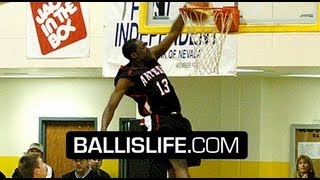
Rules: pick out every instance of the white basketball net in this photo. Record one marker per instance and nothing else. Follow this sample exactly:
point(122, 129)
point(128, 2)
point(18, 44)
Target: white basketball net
point(207, 44)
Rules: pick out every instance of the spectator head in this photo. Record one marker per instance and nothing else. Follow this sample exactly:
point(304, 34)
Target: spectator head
point(32, 166)
point(95, 164)
point(81, 166)
point(36, 148)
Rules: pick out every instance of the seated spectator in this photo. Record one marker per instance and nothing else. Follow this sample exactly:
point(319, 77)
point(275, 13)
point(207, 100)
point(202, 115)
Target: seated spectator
point(35, 148)
point(304, 167)
point(81, 170)
point(32, 166)
point(95, 165)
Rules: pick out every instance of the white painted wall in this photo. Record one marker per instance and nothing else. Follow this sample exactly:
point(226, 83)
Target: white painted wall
point(23, 101)
point(278, 49)
point(263, 107)
point(285, 102)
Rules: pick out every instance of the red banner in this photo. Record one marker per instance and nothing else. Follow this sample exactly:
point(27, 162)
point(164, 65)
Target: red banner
point(58, 24)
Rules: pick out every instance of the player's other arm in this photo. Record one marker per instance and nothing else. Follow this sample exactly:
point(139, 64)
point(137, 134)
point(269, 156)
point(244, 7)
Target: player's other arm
point(165, 44)
point(115, 98)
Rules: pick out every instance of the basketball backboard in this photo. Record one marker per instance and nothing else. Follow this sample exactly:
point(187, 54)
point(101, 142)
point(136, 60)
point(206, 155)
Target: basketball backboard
point(157, 17)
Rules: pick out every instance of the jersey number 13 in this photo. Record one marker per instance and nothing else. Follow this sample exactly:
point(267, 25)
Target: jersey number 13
point(163, 86)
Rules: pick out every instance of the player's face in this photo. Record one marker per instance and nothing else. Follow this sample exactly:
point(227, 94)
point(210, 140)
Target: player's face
point(143, 52)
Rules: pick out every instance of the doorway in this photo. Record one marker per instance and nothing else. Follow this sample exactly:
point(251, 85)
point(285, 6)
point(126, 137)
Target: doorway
point(305, 140)
point(53, 132)
point(139, 168)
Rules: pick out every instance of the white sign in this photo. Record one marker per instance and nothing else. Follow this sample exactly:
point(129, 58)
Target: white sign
point(311, 149)
point(122, 23)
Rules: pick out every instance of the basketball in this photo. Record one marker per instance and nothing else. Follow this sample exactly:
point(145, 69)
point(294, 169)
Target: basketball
point(198, 14)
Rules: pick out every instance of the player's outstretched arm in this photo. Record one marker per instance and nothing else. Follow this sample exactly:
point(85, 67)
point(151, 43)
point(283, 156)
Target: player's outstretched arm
point(165, 44)
point(115, 98)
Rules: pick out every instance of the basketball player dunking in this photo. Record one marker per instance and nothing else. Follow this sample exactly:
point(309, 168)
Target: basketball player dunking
point(144, 80)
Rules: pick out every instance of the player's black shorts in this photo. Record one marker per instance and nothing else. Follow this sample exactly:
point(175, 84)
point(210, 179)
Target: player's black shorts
point(173, 123)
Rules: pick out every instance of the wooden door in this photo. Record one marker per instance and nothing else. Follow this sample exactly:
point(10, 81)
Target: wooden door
point(55, 143)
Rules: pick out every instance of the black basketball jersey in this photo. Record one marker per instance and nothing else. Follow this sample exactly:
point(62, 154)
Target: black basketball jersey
point(152, 90)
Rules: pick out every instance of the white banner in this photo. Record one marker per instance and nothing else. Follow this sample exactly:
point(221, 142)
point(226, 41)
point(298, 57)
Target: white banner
point(122, 23)
point(57, 30)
